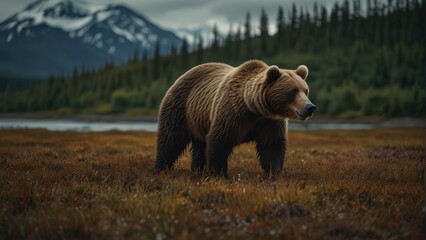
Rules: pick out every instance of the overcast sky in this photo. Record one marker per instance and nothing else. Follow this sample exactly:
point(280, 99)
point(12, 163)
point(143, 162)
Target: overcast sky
point(192, 14)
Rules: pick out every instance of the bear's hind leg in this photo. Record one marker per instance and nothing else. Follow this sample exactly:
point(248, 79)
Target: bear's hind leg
point(170, 145)
point(198, 156)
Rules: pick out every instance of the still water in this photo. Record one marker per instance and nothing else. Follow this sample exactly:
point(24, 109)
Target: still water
point(95, 126)
point(79, 126)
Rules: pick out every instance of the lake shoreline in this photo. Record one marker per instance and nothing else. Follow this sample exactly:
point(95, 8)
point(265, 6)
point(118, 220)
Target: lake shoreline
point(89, 123)
point(80, 118)
point(140, 118)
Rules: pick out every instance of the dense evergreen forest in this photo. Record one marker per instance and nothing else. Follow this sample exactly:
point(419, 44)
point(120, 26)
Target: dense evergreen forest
point(365, 59)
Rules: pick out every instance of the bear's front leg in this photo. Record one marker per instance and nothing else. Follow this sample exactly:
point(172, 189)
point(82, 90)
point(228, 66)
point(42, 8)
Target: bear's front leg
point(271, 146)
point(220, 142)
point(271, 156)
point(217, 157)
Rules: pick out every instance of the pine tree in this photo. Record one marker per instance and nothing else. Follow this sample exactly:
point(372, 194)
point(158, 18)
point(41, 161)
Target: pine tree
point(264, 33)
point(303, 32)
point(173, 51)
point(156, 61)
point(237, 36)
point(145, 64)
point(280, 29)
point(368, 8)
point(200, 50)
point(228, 43)
point(345, 27)
point(293, 26)
point(324, 17)
point(135, 56)
point(324, 28)
point(247, 35)
point(247, 27)
point(237, 41)
point(334, 25)
point(184, 53)
point(357, 31)
point(280, 22)
point(215, 41)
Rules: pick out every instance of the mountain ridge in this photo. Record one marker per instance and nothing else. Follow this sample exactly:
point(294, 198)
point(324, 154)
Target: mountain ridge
point(59, 35)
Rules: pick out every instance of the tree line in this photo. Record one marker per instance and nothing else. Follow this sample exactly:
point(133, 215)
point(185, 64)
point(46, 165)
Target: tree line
point(363, 60)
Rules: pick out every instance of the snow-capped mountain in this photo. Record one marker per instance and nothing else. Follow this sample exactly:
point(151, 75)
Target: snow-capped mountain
point(55, 36)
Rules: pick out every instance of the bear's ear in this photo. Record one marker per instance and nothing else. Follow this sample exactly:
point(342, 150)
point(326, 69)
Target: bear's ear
point(272, 74)
point(302, 71)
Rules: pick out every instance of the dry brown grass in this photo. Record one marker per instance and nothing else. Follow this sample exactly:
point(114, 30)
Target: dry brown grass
point(342, 184)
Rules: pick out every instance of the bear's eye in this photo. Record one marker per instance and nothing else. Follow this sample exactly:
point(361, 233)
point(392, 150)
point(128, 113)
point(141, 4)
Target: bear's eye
point(294, 90)
point(306, 93)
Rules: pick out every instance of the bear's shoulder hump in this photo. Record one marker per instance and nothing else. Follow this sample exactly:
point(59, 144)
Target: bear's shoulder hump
point(252, 66)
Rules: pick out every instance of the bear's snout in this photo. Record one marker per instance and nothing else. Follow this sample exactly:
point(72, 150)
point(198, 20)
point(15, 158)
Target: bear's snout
point(310, 109)
point(307, 112)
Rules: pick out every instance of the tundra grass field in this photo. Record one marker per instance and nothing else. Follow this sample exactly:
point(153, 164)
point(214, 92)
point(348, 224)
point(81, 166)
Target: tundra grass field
point(336, 184)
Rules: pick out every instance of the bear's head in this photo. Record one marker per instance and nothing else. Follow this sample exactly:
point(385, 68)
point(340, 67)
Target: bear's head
point(286, 93)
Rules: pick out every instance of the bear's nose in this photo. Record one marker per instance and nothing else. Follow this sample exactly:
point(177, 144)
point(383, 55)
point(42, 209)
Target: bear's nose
point(310, 108)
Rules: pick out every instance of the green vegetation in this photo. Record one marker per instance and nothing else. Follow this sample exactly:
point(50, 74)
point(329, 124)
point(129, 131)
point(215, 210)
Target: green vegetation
point(362, 63)
point(341, 184)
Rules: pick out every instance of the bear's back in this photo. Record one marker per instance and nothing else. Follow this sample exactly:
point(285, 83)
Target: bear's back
point(204, 80)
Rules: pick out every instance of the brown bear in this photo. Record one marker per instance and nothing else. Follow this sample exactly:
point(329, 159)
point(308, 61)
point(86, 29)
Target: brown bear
point(216, 107)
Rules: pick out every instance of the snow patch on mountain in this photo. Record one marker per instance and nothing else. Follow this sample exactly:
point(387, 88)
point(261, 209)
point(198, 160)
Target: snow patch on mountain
point(121, 32)
point(68, 24)
point(22, 26)
point(56, 8)
point(54, 13)
point(9, 37)
point(139, 22)
point(101, 16)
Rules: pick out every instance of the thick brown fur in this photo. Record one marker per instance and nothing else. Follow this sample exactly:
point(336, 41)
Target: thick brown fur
point(215, 107)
